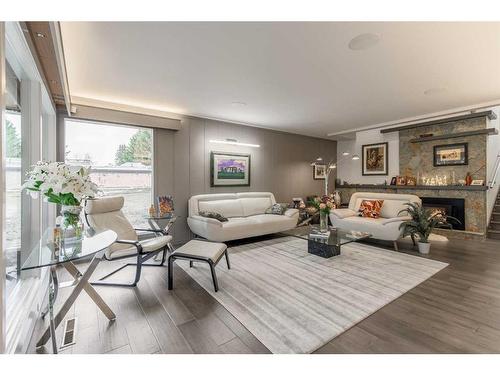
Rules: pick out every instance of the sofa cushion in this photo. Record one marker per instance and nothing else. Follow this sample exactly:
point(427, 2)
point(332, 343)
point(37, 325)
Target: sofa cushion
point(255, 205)
point(370, 208)
point(213, 215)
point(277, 209)
point(226, 207)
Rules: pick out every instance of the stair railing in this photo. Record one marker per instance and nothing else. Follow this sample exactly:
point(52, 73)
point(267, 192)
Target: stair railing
point(493, 180)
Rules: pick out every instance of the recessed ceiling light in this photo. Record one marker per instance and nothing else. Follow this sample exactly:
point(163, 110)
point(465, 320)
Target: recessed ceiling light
point(355, 157)
point(435, 91)
point(363, 41)
point(40, 35)
point(238, 104)
point(345, 153)
point(319, 159)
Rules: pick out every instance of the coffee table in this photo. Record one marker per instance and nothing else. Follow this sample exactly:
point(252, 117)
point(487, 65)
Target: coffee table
point(328, 245)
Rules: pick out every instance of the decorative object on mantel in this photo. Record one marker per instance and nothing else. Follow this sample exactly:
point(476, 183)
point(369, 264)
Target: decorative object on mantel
point(477, 182)
point(62, 185)
point(394, 180)
point(323, 205)
point(375, 159)
point(422, 223)
point(411, 181)
point(401, 180)
point(468, 179)
point(455, 154)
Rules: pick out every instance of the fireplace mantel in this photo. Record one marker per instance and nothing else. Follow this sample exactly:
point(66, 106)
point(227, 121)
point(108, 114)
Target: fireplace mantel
point(417, 187)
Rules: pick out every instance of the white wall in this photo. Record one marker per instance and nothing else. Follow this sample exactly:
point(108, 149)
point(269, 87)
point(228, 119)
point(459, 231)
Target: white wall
point(493, 149)
point(350, 170)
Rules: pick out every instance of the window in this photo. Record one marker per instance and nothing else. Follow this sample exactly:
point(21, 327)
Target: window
point(13, 195)
point(121, 161)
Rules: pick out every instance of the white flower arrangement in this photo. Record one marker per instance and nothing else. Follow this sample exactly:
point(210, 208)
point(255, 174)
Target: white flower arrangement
point(59, 184)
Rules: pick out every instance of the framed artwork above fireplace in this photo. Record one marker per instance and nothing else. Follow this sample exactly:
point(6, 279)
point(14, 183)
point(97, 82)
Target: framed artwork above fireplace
point(454, 154)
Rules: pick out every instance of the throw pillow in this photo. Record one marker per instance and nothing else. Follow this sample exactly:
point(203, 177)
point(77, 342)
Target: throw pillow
point(213, 215)
point(277, 209)
point(371, 208)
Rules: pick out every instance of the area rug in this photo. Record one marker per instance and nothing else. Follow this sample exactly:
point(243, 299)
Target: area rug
point(294, 302)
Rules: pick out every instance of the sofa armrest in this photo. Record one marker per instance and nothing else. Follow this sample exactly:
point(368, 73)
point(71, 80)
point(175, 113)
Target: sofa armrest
point(207, 220)
point(342, 213)
point(292, 212)
point(396, 219)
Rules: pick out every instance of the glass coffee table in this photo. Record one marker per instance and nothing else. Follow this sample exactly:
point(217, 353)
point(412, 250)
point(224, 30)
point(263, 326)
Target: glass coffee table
point(328, 244)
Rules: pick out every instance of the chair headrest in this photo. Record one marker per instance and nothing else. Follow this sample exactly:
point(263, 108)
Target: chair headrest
point(103, 205)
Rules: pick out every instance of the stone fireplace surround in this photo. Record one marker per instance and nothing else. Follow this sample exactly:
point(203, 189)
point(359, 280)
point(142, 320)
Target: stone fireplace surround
point(416, 159)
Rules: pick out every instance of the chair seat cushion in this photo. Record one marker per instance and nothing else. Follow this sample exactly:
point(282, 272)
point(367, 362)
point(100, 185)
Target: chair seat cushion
point(202, 249)
point(151, 244)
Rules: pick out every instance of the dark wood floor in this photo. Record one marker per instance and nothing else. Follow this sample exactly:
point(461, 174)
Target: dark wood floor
point(455, 311)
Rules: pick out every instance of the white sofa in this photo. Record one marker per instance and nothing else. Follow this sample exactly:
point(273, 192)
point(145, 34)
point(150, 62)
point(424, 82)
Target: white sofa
point(386, 227)
point(245, 213)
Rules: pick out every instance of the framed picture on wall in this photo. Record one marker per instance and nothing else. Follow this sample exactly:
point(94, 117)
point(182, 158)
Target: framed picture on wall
point(229, 169)
point(455, 154)
point(375, 159)
point(319, 171)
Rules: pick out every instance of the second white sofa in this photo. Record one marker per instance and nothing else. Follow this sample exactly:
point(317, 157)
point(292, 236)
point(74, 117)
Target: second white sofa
point(386, 227)
point(245, 213)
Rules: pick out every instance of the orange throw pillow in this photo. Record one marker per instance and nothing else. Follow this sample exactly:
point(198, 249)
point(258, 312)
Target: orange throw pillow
point(371, 208)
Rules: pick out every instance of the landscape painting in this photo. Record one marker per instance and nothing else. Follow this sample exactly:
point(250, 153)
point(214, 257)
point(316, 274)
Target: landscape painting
point(455, 154)
point(229, 169)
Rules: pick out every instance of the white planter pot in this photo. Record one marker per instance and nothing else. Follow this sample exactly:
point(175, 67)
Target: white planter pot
point(424, 247)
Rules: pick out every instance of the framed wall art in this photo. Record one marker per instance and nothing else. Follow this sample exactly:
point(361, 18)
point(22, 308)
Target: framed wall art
point(375, 159)
point(455, 154)
point(319, 171)
point(229, 169)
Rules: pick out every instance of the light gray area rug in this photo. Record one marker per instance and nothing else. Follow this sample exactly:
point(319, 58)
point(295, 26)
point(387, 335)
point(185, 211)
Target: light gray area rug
point(294, 302)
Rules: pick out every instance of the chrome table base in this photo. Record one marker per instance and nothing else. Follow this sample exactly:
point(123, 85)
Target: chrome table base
point(81, 282)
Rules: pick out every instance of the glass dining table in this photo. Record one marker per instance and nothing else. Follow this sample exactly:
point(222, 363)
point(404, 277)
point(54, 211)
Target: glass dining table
point(47, 254)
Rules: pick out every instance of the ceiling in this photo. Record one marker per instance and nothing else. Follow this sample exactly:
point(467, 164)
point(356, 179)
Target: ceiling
point(295, 77)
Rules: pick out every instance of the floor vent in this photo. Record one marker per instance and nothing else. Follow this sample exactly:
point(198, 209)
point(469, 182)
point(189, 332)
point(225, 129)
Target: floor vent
point(69, 333)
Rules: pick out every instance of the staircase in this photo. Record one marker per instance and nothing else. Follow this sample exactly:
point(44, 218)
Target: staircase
point(494, 228)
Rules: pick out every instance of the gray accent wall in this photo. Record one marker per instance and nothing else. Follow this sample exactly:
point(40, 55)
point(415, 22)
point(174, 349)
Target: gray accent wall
point(281, 165)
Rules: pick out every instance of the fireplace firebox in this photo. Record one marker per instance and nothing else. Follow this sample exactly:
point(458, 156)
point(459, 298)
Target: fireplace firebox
point(449, 206)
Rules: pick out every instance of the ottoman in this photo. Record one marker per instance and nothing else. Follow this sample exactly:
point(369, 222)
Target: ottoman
point(198, 251)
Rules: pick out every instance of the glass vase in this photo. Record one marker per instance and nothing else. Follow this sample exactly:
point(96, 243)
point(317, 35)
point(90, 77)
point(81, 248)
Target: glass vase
point(72, 224)
point(323, 222)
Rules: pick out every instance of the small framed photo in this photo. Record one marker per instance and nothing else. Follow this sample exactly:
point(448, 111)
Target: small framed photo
point(455, 154)
point(394, 180)
point(375, 159)
point(477, 182)
point(401, 180)
point(411, 181)
point(319, 171)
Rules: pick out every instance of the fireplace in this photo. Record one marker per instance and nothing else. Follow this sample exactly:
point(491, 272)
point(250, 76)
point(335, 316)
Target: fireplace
point(450, 206)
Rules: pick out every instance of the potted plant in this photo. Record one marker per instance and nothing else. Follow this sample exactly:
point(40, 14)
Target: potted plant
point(323, 205)
point(422, 223)
point(64, 186)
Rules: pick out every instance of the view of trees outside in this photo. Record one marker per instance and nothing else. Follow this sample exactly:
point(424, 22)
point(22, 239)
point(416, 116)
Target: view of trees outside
point(121, 161)
point(13, 189)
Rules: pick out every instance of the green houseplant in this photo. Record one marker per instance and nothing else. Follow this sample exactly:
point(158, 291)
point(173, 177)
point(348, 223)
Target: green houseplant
point(422, 223)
